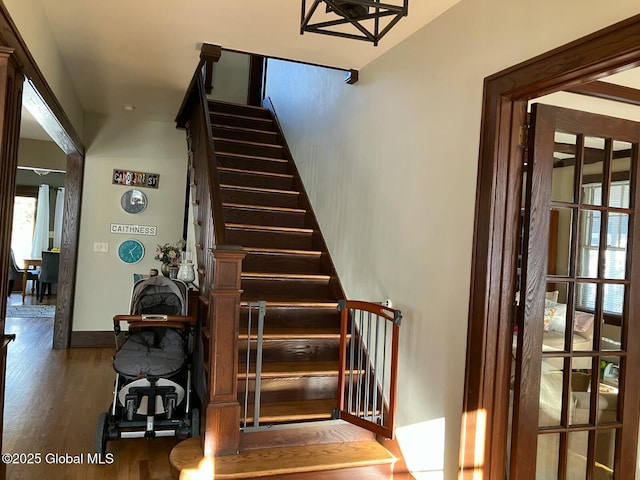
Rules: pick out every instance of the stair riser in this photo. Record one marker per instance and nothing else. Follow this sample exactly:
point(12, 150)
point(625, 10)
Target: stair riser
point(224, 146)
point(281, 263)
point(266, 199)
point(296, 241)
point(376, 472)
point(295, 317)
point(285, 289)
point(289, 350)
point(232, 121)
point(239, 109)
point(255, 164)
point(291, 389)
point(259, 217)
point(260, 181)
point(246, 135)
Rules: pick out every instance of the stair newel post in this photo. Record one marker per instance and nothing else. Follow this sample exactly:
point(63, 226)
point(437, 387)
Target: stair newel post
point(222, 416)
point(209, 54)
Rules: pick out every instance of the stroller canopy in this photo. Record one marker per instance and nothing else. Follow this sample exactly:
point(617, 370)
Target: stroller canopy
point(159, 295)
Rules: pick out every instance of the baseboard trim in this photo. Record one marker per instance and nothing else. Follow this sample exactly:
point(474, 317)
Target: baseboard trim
point(92, 338)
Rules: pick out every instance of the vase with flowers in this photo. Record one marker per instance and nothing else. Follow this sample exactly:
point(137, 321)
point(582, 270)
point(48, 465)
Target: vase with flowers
point(169, 255)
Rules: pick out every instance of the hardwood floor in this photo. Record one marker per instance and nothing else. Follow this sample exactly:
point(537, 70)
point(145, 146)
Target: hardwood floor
point(52, 402)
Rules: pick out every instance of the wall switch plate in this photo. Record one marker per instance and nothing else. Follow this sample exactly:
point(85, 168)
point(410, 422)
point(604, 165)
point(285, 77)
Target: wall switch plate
point(101, 247)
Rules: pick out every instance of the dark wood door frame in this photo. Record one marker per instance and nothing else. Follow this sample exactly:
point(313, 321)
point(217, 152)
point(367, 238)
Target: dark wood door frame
point(62, 132)
point(486, 400)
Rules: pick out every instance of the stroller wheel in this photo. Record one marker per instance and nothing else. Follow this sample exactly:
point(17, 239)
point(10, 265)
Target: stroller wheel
point(101, 434)
point(195, 422)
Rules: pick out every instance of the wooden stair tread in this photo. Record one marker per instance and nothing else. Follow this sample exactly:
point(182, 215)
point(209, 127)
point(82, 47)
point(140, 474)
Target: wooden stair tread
point(288, 302)
point(286, 276)
point(238, 115)
point(310, 458)
point(247, 142)
point(263, 208)
point(278, 369)
point(283, 460)
point(301, 332)
point(269, 228)
point(301, 303)
point(258, 189)
point(303, 433)
point(257, 108)
point(244, 129)
point(255, 172)
point(254, 157)
point(281, 251)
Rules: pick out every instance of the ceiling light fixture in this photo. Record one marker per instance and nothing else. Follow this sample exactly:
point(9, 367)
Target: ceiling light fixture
point(128, 107)
point(367, 20)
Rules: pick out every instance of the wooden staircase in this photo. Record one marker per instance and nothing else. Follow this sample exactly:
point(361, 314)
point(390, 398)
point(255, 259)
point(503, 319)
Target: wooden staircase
point(247, 192)
point(267, 212)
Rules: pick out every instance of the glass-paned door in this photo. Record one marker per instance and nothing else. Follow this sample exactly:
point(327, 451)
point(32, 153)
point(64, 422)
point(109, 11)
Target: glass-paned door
point(575, 391)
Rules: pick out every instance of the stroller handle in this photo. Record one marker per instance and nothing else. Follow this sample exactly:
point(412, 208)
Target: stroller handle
point(173, 321)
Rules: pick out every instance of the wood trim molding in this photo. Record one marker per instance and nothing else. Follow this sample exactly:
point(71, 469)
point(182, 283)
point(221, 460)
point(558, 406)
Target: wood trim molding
point(93, 339)
point(11, 82)
point(69, 251)
point(608, 91)
point(486, 405)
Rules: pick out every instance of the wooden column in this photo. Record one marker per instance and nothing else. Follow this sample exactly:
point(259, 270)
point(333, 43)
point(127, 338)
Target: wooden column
point(209, 54)
point(222, 415)
point(11, 80)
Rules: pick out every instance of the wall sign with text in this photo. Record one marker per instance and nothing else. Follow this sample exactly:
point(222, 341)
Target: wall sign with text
point(133, 229)
point(135, 179)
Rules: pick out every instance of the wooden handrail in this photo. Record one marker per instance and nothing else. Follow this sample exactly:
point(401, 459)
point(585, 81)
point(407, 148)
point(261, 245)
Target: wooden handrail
point(194, 113)
point(212, 167)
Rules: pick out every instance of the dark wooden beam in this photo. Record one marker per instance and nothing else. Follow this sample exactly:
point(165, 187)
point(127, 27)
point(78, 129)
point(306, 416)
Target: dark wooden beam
point(352, 77)
point(608, 91)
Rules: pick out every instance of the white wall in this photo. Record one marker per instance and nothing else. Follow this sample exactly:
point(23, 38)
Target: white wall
point(231, 77)
point(390, 165)
point(41, 154)
point(31, 20)
point(103, 286)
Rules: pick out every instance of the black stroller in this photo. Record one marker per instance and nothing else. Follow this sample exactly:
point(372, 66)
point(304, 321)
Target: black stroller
point(152, 361)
